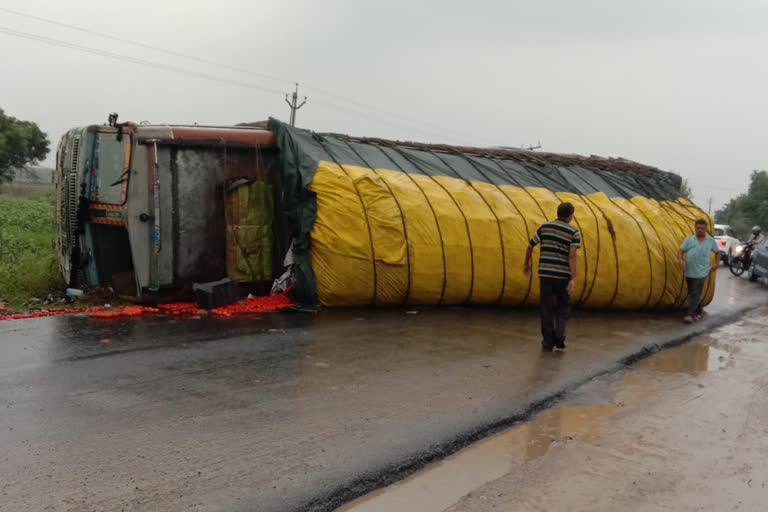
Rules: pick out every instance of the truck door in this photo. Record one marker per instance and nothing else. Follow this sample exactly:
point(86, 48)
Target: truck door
point(107, 232)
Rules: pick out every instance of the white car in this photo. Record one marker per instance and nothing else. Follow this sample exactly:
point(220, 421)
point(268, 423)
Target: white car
point(726, 241)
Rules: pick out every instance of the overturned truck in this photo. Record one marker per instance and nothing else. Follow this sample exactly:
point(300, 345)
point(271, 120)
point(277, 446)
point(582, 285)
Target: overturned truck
point(358, 221)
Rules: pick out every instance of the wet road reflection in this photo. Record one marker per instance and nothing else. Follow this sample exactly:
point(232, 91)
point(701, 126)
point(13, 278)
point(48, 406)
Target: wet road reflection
point(695, 357)
point(442, 484)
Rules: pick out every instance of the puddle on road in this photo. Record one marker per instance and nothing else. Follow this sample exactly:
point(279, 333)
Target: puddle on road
point(695, 357)
point(443, 483)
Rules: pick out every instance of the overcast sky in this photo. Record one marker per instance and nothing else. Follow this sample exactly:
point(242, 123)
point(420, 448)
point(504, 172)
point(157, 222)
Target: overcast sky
point(679, 84)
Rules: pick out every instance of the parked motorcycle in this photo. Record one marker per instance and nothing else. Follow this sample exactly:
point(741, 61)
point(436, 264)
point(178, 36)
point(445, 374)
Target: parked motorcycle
point(741, 260)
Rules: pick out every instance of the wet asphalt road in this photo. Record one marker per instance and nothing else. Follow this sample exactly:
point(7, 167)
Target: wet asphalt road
point(281, 412)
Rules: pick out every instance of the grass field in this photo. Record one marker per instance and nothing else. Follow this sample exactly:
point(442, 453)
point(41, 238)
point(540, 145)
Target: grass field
point(27, 190)
point(28, 265)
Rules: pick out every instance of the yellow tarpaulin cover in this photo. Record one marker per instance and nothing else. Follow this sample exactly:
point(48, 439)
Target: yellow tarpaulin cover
point(383, 236)
point(383, 222)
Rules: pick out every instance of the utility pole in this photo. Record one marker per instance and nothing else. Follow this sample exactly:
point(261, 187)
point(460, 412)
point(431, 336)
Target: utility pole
point(293, 104)
point(532, 148)
point(709, 207)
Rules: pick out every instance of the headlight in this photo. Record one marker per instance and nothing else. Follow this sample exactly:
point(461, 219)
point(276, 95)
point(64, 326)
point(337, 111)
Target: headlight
point(739, 249)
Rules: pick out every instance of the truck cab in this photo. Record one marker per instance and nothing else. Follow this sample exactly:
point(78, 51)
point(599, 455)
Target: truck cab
point(141, 208)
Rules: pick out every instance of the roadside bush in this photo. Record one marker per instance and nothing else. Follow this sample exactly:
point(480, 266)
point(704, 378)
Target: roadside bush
point(28, 265)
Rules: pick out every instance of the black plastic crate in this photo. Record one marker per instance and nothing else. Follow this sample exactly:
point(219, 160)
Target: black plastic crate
point(216, 293)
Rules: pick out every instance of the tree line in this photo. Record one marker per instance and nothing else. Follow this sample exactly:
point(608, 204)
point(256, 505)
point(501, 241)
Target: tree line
point(745, 210)
point(22, 144)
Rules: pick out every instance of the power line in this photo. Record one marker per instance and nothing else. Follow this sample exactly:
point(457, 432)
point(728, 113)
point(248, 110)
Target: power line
point(188, 72)
point(336, 106)
point(134, 60)
point(377, 110)
point(173, 53)
point(142, 45)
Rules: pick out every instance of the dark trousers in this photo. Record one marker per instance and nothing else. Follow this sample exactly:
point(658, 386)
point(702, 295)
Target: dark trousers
point(695, 289)
point(555, 308)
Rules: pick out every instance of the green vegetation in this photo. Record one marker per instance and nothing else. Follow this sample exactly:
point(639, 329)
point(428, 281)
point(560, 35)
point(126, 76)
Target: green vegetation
point(24, 190)
point(28, 265)
point(22, 143)
point(746, 210)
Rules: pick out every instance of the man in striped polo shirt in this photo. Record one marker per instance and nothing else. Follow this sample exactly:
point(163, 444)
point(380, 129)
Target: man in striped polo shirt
point(557, 270)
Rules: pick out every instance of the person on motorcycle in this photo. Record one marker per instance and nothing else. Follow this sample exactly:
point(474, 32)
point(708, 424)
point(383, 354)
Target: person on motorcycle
point(757, 236)
point(742, 261)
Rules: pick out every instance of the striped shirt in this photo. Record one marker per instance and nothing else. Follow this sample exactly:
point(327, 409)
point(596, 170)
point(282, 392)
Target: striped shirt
point(556, 238)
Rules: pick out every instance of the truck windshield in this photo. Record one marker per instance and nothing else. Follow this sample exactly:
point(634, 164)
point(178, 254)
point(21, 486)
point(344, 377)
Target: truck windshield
point(719, 232)
point(110, 162)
